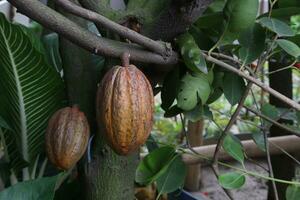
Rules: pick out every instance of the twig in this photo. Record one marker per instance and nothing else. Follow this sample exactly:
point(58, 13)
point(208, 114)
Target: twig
point(266, 88)
point(231, 122)
point(85, 39)
point(160, 48)
point(285, 152)
point(266, 143)
point(227, 192)
point(272, 121)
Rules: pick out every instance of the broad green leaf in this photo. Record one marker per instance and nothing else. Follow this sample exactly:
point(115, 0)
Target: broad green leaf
point(31, 91)
point(288, 3)
point(34, 33)
point(173, 178)
point(170, 87)
point(51, 45)
point(232, 180)
point(173, 111)
point(289, 47)
point(216, 6)
point(191, 53)
point(292, 192)
point(233, 147)
point(192, 89)
point(270, 111)
point(39, 189)
point(3, 124)
point(238, 16)
point(277, 26)
point(211, 20)
point(233, 87)
point(253, 43)
point(259, 140)
point(154, 165)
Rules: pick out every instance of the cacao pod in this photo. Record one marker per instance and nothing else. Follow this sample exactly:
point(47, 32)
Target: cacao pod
point(67, 137)
point(125, 108)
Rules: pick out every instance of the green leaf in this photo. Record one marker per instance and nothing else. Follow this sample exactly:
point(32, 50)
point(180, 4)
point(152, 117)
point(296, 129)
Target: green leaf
point(51, 45)
point(154, 165)
point(253, 43)
point(173, 178)
point(31, 91)
point(238, 15)
point(288, 3)
point(270, 111)
point(233, 87)
point(191, 90)
point(211, 20)
point(39, 189)
point(170, 88)
point(232, 180)
point(233, 147)
point(3, 124)
point(292, 192)
point(172, 111)
point(289, 47)
point(277, 26)
point(34, 37)
point(283, 14)
point(191, 53)
point(259, 140)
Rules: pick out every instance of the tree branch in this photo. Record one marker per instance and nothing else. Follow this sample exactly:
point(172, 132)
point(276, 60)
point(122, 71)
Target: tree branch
point(158, 47)
point(266, 88)
point(85, 39)
point(175, 19)
point(272, 121)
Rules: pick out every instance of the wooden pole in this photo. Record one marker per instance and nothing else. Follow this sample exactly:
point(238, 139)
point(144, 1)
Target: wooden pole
point(195, 137)
point(290, 144)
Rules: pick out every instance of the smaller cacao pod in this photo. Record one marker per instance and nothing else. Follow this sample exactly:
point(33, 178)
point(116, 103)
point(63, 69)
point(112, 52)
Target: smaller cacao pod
point(125, 106)
point(67, 137)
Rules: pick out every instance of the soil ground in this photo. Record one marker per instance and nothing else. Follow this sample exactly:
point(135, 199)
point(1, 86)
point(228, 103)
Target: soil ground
point(254, 188)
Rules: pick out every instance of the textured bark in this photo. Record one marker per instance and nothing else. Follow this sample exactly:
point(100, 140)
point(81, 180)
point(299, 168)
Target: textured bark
point(281, 82)
point(106, 176)
point(175, 19)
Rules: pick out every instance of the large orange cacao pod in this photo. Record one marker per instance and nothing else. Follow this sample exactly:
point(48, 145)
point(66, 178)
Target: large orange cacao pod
point(67, 137)
point(125, 108)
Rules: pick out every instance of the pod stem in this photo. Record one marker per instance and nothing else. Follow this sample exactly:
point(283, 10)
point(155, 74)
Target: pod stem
point(125, 59)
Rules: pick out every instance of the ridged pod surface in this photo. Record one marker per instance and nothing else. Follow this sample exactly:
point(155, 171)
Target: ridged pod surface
point(125, 108)
point(67, 137)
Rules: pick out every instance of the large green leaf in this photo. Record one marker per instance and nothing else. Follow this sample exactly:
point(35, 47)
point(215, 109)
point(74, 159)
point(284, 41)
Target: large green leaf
point(233, 87)
point(288, 3)
point(154, 165)
point(292, 192)
point(289, 47)
point(192, 90)
point(238, 16)
point(232, 180)
point(234, 147)
point(170, 87)
point(31, 91)
point(191, 53)
point(39, 189)
point(270, 111)
point(277, 26)
point(253, 43)
point(173, 178)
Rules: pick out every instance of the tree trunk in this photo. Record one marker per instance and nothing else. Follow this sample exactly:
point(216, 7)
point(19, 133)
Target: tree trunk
point(282, 165)
point(105, 176)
